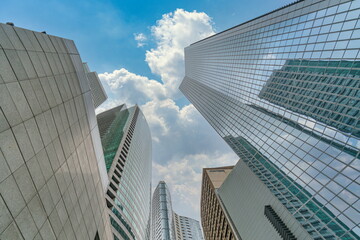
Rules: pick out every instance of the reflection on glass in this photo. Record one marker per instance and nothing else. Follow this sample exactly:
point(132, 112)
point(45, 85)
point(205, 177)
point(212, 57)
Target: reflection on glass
point(299, 202)
point(326, 91)
point(288, 85)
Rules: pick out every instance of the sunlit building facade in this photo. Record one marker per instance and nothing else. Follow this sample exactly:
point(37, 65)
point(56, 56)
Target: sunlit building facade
point(126, 142)
point(52, 170)
point(283, 92)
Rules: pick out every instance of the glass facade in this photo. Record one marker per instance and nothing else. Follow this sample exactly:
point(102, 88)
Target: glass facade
point(162, 214)
point(284, 91)
point(126, 142)
point(111, 128)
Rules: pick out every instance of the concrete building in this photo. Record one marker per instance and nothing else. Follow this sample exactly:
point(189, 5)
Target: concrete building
point(187, 228)
point(281, 90)
point(97, 90)
point(126, 142)
point(162, 222)
point(52, 171)
point(214, 219)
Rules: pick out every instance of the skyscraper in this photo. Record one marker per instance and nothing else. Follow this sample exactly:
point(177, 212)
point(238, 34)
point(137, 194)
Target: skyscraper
point(282, 91)
point(187, 228)
point(215, 221)
point(126, 142)
point(165, 223)
point(52, 178)
point(162, 222)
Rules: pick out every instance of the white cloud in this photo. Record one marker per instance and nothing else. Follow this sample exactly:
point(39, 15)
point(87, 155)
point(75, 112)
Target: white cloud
point(172, 34)
point(132, 88)
point(184, 176)
point(141, 39)
point(183, 142)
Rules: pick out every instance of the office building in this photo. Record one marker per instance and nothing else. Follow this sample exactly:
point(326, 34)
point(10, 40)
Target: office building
point(215, 221)
point(282, 91)
point(162, 222)
point(187, 228)
point(126, 142)
point(52, 174)
point(168, 225)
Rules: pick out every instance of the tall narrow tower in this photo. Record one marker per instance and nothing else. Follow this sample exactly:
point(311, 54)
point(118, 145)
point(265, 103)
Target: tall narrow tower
point(162, 227)
point(166, 224)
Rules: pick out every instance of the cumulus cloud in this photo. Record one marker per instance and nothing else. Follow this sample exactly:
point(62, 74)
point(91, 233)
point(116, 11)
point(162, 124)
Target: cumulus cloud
point(183, 142)
point(141, 39)
point(135, 87)
point(172, 33)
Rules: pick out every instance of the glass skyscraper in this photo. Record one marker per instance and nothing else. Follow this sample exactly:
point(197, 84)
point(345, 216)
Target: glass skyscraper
point(126, 142)
point(283, 90)
point(162, 222)
point(165, 223)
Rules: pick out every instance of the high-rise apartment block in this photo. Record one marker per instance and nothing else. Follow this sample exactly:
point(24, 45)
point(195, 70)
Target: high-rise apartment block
point(126, 142)
point(214, 219)
point(283, 91)
point(187, 228)
point(52, 173)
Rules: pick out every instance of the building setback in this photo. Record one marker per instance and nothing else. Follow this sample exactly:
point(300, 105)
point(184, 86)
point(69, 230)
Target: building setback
point(97, 90)
point(282, 91)
point(214, 220)
point(126, 142)
point(187, 228)
point(52, 178)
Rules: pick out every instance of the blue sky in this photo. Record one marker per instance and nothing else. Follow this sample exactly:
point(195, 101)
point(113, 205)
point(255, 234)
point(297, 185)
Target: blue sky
point(105, 32)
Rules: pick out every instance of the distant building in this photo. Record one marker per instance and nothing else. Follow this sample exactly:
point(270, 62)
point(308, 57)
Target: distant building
point(187, 228)
point(165, 223)
point(214, 219)
point(283, 91)
point(126, 142)
point(162, 214)
point(52, 170)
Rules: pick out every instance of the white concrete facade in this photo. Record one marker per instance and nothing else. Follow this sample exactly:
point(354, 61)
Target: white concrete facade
point(50, 183)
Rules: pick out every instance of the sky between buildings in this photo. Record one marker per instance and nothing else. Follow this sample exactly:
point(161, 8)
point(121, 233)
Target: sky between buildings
point(137, 49)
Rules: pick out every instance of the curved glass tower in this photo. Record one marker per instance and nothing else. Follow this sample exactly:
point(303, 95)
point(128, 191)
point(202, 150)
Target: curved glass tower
point(162, 214)
point(283, 91)
point(126, 142)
